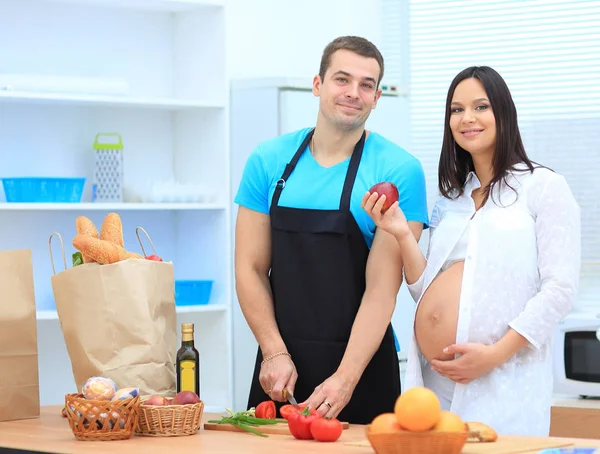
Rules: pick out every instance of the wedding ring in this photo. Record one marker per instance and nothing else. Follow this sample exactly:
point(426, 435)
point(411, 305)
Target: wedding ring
point(328, 404)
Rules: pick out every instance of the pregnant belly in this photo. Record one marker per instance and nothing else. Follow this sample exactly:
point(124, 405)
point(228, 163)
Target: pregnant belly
point(437, 314)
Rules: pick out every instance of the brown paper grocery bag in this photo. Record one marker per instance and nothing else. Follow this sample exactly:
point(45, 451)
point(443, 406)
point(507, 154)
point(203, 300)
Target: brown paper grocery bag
point(19, 378)
point(119, 321)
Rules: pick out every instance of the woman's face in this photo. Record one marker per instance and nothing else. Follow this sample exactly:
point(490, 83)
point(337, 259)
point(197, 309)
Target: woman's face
point(472, 120)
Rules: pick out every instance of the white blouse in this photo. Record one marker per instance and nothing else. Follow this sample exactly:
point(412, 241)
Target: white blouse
point(459, 252)
point(521, 271)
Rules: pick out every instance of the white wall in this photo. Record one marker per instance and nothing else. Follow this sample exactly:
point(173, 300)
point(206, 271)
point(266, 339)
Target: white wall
point(267, 38)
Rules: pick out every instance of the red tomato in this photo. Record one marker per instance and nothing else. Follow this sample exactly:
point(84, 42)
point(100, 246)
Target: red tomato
point(288, 409)
point(266, 410)
point(326, 429)
point(300, 422)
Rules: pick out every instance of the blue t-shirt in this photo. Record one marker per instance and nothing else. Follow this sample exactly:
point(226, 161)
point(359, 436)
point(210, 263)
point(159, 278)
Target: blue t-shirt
point(313, 186)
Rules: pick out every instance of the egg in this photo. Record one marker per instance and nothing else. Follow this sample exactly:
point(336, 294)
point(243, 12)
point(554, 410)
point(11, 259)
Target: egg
point(126, 393)
point(99, 388)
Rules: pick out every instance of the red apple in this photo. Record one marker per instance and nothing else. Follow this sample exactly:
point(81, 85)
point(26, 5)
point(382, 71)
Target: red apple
point(185, 397)
point(154, 257)
point(157, 400)
point(389, 190)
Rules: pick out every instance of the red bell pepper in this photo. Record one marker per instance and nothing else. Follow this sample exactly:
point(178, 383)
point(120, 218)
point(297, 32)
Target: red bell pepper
point(299, 423)
point(287, 409)
point(266, 410)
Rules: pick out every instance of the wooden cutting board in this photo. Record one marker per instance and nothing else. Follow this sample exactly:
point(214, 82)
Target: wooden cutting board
point(276, 429)
point(504, 445)
point(514, 444)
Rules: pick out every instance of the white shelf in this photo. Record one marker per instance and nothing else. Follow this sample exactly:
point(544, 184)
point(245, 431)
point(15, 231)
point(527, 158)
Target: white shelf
point(104, 100)
point(150, 5)
point(110, 207)
point(172, 114)
point(46, 315)
point(53, 315)
point(203, 308)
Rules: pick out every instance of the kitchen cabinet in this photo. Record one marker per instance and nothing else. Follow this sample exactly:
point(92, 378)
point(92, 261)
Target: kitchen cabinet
point(154, 72)
point(575, 417)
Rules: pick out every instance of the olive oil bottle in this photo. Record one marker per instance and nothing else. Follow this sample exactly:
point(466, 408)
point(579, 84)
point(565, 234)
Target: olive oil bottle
point(188, 361)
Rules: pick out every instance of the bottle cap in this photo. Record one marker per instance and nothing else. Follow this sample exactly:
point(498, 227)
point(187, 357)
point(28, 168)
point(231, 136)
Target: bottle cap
point(187, 327)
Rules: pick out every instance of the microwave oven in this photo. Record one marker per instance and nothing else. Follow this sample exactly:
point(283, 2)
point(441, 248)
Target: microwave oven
point(576, 355)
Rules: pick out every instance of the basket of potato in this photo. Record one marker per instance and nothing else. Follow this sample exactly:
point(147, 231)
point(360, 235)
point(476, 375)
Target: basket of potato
point(164, 417)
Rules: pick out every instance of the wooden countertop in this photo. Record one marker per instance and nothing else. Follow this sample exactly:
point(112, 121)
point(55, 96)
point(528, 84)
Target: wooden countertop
point(575, 402)
point(51, 433)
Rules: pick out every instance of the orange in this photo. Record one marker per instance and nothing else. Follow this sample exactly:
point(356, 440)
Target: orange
point(417, 409)
point(385, 423)
point(449, 422)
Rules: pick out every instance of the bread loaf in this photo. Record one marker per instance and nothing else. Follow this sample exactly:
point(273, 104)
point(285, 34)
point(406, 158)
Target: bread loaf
point(130, 255)
point(86, 227)
point(479, 431)
point(112, 229)
point(102, 251)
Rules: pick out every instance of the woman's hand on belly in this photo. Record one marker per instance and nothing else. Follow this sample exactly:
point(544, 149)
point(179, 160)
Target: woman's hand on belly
point(475, 360)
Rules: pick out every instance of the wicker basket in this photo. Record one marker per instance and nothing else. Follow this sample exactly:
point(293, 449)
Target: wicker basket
point(417, 442)
point(101, 420)
point(169, 420)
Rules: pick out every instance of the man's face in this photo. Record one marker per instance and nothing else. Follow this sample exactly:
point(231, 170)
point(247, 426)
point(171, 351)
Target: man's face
point(348, 92)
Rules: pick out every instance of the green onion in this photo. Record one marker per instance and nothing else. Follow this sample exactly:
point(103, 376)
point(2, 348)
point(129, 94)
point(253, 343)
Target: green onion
point(246, 420)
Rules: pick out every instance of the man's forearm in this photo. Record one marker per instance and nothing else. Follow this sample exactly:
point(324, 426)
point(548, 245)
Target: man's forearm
point(368, 330)
point(256, 302)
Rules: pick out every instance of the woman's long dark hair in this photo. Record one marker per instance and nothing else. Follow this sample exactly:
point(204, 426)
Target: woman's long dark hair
point(456, 163)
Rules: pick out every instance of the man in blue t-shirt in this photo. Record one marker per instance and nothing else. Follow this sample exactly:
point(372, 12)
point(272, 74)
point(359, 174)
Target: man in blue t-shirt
point(316, 282)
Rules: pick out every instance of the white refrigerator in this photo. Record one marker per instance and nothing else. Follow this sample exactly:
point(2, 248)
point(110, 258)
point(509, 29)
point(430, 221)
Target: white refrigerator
point(265, 108)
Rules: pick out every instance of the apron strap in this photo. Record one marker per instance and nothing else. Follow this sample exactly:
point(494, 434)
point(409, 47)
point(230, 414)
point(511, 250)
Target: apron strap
point(290, 167)
point(351, 174)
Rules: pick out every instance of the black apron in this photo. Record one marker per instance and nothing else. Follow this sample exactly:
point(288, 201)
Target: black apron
point(317, 277)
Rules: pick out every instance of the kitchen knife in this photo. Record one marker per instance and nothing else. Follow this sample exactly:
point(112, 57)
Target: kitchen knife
point(290, 398)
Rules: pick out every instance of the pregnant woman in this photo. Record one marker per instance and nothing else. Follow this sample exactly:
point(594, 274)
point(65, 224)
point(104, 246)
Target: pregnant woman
point(501, 270)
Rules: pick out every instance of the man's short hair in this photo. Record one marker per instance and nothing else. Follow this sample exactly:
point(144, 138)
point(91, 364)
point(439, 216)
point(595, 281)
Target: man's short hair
point(356, 44)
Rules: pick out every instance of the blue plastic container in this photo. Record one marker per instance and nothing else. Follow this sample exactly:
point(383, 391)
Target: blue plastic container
point(192, 293)
point(42, 189)
point(569, 451)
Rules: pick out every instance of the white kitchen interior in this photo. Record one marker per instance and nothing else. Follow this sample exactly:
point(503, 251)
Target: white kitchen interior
point(169, 76)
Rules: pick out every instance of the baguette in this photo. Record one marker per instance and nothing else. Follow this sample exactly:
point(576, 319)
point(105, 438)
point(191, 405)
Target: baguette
point(112, 229)
point(102, 251)
point(87, 228)
point(481, 432)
